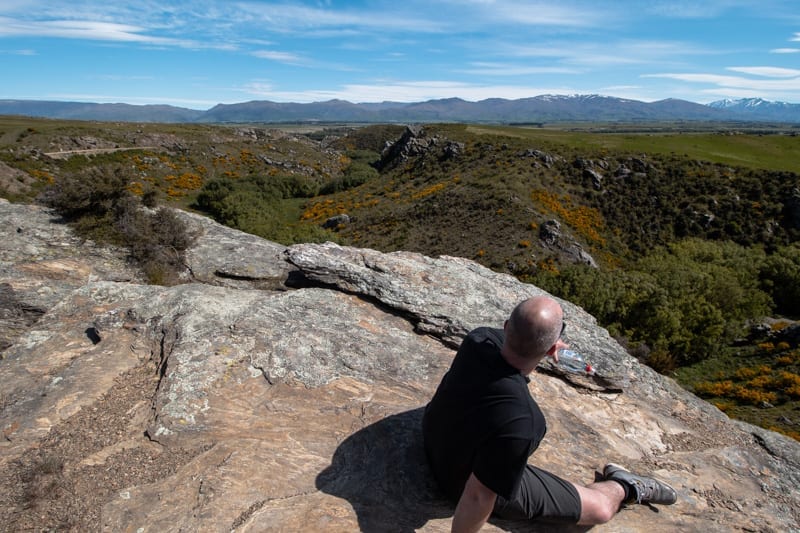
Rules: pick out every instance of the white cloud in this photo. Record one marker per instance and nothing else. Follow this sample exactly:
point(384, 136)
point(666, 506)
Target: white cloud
point(785, 51)
point(21, 52)
point(734, 81)
point(707, 9)
point(258, 87)
point(609, 53)
point(540, 13)
point(282, 57)
point(10, 27)
point(119, 77)
point(614, 88)
point(290, 18)
point(509, 69)
point(768, 72)
point(738, 86)
point(687, 9)
point(89, 30)
point(577, 54)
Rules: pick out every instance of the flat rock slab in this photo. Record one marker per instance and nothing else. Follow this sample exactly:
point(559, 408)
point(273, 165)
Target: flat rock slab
point(283, 390)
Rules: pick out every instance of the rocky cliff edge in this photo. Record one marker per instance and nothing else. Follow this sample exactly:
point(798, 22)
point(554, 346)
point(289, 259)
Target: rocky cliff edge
point(281, 389)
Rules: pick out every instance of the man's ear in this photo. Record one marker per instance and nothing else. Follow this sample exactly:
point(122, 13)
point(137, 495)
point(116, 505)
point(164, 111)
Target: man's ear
point(553, 349)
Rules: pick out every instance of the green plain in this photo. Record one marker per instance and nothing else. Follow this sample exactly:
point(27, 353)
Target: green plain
point(770, 151)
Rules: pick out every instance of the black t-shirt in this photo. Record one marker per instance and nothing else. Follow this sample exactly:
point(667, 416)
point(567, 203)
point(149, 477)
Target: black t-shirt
point(482, 419)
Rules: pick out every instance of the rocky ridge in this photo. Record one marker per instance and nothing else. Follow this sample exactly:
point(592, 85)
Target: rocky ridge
point(281, 389)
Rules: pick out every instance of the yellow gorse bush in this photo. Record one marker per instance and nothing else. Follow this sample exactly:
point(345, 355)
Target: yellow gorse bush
point(586, 221)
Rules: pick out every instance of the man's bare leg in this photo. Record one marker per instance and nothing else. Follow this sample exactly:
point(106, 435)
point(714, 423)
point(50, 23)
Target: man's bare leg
point(600, 502)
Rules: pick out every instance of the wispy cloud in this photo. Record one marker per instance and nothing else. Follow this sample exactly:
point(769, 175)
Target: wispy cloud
point(595, 54)
point(687, 9)
point(692, 9)
point(768, 72)
point(511, 69)
point(156, 23)
point(299, 60)
point(289, 18)
point(211, 25)
point(738, 86)
point(281, 57)
point(88, 30)
point(21, 52)
point(622, 88)
point(732, 81)
point(120, 77)
point(538, 14)
point(10, 27)
point(424, 17)
point(785, 51)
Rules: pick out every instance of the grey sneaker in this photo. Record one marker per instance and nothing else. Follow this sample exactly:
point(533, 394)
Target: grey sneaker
point(647, 489)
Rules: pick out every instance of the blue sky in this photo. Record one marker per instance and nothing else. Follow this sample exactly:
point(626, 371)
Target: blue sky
point(199, 53)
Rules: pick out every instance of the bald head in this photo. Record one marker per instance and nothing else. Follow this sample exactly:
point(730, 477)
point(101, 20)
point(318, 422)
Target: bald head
point(534, 327)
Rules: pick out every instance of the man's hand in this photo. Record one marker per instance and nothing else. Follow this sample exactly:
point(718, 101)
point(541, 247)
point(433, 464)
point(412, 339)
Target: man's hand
point(559, 345)
point(474, 506)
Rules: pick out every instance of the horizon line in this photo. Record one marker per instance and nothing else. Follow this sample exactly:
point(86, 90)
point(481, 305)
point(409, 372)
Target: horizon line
point(396, 102)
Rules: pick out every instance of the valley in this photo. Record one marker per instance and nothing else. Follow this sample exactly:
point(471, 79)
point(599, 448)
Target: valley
point(684, 245)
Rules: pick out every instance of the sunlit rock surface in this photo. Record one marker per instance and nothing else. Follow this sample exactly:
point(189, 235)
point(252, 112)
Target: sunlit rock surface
point(281, 390)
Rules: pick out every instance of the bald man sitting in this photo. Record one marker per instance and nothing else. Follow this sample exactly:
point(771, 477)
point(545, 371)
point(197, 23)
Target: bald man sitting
point(482, 425)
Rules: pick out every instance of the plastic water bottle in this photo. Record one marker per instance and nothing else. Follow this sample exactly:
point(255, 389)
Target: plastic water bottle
point(574, 362)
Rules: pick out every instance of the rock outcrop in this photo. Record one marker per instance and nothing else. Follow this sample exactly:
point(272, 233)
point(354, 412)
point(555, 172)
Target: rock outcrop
point(281, 390)
point(413, 142)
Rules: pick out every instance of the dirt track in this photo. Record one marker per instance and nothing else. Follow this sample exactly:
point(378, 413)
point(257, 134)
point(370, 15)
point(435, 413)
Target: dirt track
point(64, 154)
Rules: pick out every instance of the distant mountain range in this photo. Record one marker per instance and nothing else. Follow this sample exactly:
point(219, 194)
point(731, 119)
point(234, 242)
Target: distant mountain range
point(539, 109)
point(764, 110)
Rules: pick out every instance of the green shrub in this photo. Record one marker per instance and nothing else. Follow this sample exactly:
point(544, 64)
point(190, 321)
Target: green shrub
point(780, 277)
point(686, 301)
point(150, 197)
point(213, 199)
point(93, 193)
point(263, 206)
point(99, 206)
point(157, 241)
point(358, 172)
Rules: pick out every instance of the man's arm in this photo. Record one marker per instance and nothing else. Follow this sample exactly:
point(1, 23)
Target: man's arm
point(474, 506)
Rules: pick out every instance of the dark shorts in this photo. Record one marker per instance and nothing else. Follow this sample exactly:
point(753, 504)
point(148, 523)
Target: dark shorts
point(541, 496)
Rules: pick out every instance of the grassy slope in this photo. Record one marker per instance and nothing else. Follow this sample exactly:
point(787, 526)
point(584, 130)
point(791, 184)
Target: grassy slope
point(476, 205)
point(174, 159)
point(491, 201)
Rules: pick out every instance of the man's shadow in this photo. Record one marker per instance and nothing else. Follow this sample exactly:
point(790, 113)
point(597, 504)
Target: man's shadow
point(382, 471)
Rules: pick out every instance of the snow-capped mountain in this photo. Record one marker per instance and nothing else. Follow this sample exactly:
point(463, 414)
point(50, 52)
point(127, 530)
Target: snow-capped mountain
point(760, 109)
